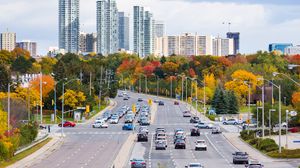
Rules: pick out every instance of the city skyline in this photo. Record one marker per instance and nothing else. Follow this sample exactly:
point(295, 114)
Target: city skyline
point(272, 21)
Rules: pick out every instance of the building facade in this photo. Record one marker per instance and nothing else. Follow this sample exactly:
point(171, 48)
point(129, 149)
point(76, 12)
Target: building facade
point(159, 29)
point(91, 43)
point(69, 25)
point(236, 40)
point(292, 50)
point(107, 27)
point(123, 31)
point(143, 25)
point(29, 46)
point(192, 44)
point(7, 41)
point(279, 47)
point(82, 42)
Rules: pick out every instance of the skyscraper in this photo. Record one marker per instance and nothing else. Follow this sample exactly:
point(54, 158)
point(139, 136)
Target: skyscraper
point(236, 40)
point(123, 31)
point(107, 27)
point(87, 43)
point(69, 25)
point(279, 47)
point(29, 46)
point(7, 41)
point(159, 29)
point(143, 39)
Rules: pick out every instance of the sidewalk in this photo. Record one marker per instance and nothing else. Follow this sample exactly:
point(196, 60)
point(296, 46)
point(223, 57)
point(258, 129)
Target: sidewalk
point(291, 138)
point(43, 152)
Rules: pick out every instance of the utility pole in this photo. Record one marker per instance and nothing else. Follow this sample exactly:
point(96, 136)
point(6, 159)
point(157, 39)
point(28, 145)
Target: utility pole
point(263, 111)
point(41, 97)
point(140, 84)
point(90, 83)
point(100, 87)
point(186, 86)
point(8, 107)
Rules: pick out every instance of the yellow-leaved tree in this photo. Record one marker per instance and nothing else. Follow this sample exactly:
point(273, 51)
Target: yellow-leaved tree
point(239, 84)
point(73, 99)
point(3, 121)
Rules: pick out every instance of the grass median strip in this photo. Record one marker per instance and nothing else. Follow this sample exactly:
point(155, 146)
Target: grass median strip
point(24, 154)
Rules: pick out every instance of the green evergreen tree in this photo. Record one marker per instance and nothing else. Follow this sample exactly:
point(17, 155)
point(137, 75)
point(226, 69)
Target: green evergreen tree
point(163, 59)
point(233, 106)
point(215, 98)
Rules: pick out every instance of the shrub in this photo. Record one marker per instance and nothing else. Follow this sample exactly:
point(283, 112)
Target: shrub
point(254, 141)
point(245, 136)
point(212, 117)
point(4, 151)
point(285, 153)
point(267, 145)
point(28, 133)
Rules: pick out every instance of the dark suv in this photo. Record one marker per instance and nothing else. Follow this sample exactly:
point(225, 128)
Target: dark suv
point(195, 131)
point(180, 143)
point(142, 137)
point(194, 120)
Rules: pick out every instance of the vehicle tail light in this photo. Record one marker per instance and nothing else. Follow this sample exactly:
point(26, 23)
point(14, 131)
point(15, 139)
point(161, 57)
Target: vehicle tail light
point(133, 163)
point(144, 163)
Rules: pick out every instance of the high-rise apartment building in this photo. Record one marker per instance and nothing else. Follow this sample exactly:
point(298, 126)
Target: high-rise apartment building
point(7, 41)
point(29, 46)
point(123, 31)
point(143, 39)
point(236, 40)
point(292, 50)
point(186, 45)
point(223, 47)
point(87, 43)
point(69, 25)
point(159, 29)
point(107, 27)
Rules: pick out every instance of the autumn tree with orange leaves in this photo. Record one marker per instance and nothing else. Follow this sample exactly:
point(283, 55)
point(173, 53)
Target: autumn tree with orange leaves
point(48, 84)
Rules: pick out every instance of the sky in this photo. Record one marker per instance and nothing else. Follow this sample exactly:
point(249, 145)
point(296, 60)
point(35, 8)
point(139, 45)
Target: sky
point(260, 22)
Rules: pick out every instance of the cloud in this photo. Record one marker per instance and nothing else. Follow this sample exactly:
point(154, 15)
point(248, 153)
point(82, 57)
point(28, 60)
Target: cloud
point(259, 21)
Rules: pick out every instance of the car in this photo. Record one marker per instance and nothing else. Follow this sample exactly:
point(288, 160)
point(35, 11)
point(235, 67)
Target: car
point(67, 124)
point(195, 131)
point(161, 103)
point(99, 119)
point(200, 145)
point(140, 99)
point(100, 124)
point(254, 164)
point(128, 118)
point(128, 126)
point(216, 130)
point(144, 129)
point(187, 114)
point(176, 103)
point(126, 98)
point(160, 129)
point(180, 143)
point(203, 125)
point(114, 119)
point(194, 165)
point(194, 120)
point(231, 121)
point(240, 157)
point(161, 145)
point(144, 121)
point(142, 137)
point(138, 163)
point(156, 100)
point(120, 95)
point(161, 139)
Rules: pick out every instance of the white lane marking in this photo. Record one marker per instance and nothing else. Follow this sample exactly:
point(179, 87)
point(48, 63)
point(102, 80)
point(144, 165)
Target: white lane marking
point(217, 150)
point(150, 150)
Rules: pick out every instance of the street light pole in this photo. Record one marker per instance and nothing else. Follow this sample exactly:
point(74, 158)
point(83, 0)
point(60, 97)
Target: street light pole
point(186, 86)
point(286, 129)
point(279, 90)
point(263, 111)
point(8, 107)
point(41, 97)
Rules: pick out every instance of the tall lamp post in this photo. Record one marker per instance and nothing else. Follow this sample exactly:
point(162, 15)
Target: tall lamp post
point(8, 106)
point(63, 104)
point(279, 107)
point(182, 77)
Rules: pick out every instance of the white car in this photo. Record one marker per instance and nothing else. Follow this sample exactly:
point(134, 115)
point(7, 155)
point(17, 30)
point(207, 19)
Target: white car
point(204, 125)
point(100, 125)
point(114, 119)
point(194, 165)
point(200, 145)
point(231, 121)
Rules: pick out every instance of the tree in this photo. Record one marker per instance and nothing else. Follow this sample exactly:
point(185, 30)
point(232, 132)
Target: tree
point(47, 85)
point(163, 59)
point(170, 68)
point(6, 57)
point(73, 99)
point(233, 105)
point(28, 94)
point(47, 64)
point(22, 64)
point(4, 77)
point(19, 52)
point(296, 100)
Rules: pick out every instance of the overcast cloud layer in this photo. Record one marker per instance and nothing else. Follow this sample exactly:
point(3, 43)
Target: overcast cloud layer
point(260, 21)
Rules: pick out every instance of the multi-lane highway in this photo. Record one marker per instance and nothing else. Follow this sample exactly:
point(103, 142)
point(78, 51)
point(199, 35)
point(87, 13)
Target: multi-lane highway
point(85, 146)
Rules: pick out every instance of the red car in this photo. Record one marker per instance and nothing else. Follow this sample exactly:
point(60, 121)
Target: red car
point(68, 124)
point(176, 103)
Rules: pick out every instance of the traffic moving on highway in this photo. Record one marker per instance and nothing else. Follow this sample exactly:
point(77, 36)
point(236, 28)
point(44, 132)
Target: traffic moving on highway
point(142, 131)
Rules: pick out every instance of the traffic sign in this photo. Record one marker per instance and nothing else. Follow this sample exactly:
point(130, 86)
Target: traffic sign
point(296, 141)
point(133, 108)
point(293, 113)
point(150, 101)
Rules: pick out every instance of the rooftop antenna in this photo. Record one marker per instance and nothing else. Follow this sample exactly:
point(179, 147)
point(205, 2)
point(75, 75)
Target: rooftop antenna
point(229, 25)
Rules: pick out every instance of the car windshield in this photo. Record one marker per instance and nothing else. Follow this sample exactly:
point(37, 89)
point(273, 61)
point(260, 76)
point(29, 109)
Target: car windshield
point(240, 153)
point(195, 165)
